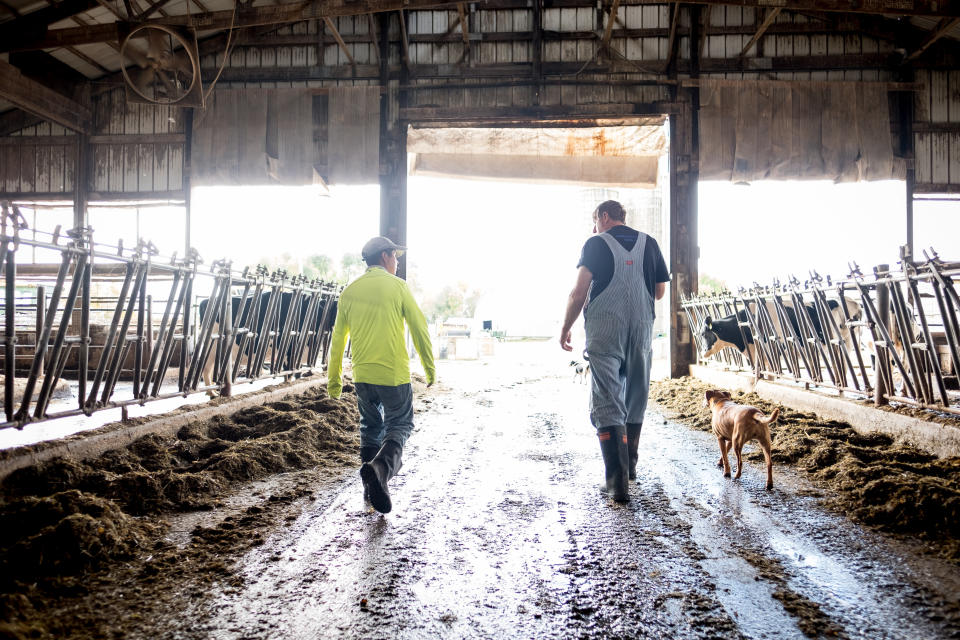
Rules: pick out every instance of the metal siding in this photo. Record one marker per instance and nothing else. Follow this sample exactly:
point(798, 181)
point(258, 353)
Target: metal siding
point(954, 158)
point(100, 157)
point(28, 168)
point(11, 168)
point(145, 167)
point(953, 100)
point(42, 173)
point(115, 167)
point(921, 98)
point(939, 97)
point(940, 171)
point(130, 158)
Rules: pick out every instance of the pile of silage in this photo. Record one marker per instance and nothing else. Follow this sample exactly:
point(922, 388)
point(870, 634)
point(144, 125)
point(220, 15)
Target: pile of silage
point(62, 517)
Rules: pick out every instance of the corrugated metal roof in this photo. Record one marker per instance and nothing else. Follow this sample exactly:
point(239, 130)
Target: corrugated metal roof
point(930, 24)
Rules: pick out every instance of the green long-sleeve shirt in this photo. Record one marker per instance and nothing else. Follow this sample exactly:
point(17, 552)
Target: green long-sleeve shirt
point(371, 311)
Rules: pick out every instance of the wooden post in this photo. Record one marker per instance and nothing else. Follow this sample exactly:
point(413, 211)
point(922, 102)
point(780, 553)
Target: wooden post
point(684, 175)
point(393, 150)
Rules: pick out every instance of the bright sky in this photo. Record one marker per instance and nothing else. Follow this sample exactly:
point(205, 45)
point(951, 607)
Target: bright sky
point(517, 243)
point(249, 223)
point(755, 232)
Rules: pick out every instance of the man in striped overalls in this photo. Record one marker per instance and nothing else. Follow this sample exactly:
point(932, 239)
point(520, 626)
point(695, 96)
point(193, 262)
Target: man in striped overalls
point(623, 272)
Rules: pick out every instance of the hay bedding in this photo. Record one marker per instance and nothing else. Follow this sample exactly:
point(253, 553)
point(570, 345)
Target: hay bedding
point(64, 517)
point(870, 477)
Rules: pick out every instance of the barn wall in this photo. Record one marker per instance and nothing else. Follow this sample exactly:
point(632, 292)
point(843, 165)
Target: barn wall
point(135, 151)
point(936, 131)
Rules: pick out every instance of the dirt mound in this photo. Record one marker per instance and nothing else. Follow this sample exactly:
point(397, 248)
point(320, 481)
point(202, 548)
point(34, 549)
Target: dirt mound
point(872, 478)
point(64, 516)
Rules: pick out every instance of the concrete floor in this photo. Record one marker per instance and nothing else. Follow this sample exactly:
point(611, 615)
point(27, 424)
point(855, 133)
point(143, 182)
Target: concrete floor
point(499, 531)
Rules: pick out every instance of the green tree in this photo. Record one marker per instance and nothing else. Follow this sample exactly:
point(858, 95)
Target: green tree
point(320, 266)
point(457, 300)
point(352, 266)
point(710, 284)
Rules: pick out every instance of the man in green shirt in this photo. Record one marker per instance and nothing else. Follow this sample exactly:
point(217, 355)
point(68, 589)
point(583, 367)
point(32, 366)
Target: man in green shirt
point(371, 311)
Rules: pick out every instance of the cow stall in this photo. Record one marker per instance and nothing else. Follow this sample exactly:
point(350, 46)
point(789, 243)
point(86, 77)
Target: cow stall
point(891, 335)
point(128, 326)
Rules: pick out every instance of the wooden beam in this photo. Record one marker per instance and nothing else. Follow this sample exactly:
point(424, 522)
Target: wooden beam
point(672, 40)
point(405, 43)
point(146, 13)
point(374, 41)
point(215, 20)
point(608, 29)
point(771, 16)
point(704, 25)
point(35, 23)
point(551, 70)
point(941, 8)
point(17, 120)
point(336, 36)
point(943, 27)
point(464, 32)
point(38, 99)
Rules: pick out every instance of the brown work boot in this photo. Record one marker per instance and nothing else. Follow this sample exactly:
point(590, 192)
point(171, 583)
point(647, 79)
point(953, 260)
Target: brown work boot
point(378, 472)
point(633, 446)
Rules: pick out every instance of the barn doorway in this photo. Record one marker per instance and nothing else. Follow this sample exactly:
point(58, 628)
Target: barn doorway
point(497, 218)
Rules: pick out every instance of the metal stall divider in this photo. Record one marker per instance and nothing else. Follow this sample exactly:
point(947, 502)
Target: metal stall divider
point(801, 333)
point(296, 322)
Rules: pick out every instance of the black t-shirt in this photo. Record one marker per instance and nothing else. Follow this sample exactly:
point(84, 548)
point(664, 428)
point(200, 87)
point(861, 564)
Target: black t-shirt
point(597, 257)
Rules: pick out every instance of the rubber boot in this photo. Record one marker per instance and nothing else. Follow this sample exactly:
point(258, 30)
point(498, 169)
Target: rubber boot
point(367, 454)
point(613, 446)
point(377, 473)
point(633, 446)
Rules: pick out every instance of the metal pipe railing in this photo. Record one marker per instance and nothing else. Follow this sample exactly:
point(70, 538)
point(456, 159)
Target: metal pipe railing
point(285, 336)
point(858, 335)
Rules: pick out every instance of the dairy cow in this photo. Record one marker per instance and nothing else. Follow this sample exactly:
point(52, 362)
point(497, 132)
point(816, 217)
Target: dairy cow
point(322, 322)
point(723, 332)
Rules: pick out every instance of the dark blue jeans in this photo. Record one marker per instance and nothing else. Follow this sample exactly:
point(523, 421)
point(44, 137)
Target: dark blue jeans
point(386, 413)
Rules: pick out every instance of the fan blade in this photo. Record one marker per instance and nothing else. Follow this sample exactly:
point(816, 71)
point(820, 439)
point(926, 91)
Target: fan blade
point(160, 48)
point(137, 56)
point(182, 62)
point(145, 79)
point(172, 91)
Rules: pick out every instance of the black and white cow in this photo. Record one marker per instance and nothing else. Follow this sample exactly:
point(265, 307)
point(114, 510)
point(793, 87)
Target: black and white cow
point(322, 322)
point(723, 332)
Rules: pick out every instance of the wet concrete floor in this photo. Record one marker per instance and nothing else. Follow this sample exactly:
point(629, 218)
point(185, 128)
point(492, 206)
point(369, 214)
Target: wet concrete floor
point(499, 531)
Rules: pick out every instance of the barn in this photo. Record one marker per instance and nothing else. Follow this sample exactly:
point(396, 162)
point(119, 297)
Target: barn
point(185, 189)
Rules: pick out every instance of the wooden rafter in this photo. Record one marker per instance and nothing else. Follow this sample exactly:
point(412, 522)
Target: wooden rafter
point(608, 29)
point(38, 21)
point(767, 21)
point(372, 26)
point(404, 41)
point(941, 8)
point(336, 36)
point(244, 17)
point(149, 11)
point(451, 29)
point(672, 40)
point(464, 31)
point(704, 24)
point(943, 27)
point(42, 101)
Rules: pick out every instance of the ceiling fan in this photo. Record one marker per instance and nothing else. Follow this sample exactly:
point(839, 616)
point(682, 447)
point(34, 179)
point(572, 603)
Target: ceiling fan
point(168, 72)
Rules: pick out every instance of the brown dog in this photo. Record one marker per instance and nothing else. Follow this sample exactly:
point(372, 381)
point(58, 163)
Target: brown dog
point(737, 424)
